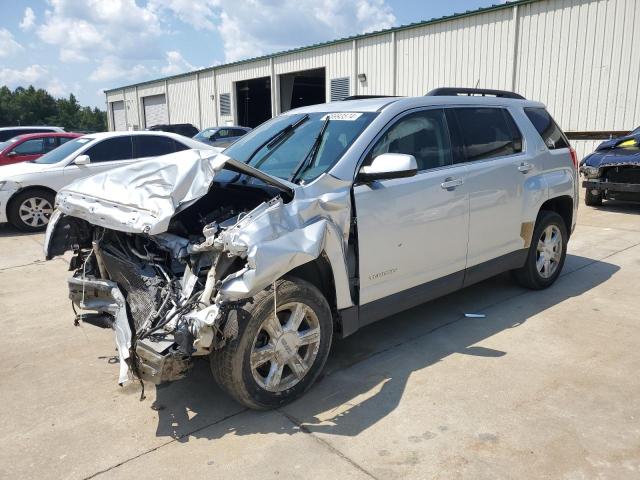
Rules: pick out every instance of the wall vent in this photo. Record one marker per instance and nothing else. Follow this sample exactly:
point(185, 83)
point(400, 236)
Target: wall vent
point(339, 89)
point(225, 104)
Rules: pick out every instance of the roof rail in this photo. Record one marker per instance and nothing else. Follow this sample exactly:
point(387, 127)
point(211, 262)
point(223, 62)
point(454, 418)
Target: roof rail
point(453, 92)
point(363, 97)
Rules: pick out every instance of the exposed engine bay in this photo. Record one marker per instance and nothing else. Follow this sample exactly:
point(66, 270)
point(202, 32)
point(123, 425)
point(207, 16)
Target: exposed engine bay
point(169, 293)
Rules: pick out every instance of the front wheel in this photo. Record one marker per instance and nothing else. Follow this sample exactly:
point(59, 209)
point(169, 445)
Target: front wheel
point(547, 252)
point(30, 210)
point(276, 358)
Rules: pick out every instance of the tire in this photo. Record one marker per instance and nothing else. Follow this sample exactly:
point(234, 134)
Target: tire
point(530, 275)
point(592, 200)
point(246, 368)
point(30, 210)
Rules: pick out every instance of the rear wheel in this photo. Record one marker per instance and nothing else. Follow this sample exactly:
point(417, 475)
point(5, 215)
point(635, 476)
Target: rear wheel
point(276, 358)
point(30, 210)
point(547, 252)
point(592, 200)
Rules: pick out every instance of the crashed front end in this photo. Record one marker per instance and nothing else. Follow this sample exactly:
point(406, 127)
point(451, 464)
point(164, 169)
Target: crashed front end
point(612, 172)
point(169, 262)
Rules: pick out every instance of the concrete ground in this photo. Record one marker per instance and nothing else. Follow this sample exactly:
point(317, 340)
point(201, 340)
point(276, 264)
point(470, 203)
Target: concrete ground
point(546, 386)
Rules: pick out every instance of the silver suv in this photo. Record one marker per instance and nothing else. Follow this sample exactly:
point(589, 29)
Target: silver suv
point(313, 225)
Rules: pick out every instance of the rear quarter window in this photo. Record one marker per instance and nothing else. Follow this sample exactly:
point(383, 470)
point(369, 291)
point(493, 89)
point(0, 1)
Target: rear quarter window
point(551, 134)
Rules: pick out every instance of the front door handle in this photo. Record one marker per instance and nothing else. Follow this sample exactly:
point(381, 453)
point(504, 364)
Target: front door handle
point(451, 183)
point(524, 167)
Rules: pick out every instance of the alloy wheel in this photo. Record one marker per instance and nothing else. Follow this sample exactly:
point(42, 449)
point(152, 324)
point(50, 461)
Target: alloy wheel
point(285, 347)
point(35, 211)
point(549, 251)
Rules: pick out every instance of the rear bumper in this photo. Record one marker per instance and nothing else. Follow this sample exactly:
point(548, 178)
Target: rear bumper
point(611, 186)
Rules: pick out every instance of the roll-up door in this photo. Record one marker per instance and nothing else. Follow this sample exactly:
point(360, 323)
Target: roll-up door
point(117, 115)
point(155, 110)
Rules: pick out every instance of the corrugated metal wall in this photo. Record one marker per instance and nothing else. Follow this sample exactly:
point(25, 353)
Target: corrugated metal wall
point(561, 52)
point(470, 51)
point(182, 100)
point(375, 60)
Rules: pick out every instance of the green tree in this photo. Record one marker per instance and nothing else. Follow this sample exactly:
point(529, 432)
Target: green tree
point(30, 106)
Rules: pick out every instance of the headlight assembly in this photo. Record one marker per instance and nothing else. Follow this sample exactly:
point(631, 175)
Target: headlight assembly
point(590, 172)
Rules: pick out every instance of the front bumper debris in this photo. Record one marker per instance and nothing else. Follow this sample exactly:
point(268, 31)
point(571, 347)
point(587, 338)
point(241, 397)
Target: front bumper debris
point(611, 186)
point(104, 296)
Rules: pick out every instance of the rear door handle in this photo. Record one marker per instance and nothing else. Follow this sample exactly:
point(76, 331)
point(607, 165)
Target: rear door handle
point(451, 183)
point(524, 167)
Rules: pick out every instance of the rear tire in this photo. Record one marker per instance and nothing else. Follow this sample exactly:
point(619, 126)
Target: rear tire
point(30, 210)
point(547, 252)
point(592, 200)
point(270, 364)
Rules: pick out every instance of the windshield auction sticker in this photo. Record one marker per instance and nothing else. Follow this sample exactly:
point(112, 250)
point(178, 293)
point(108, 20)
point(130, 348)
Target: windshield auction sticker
point(344, 116)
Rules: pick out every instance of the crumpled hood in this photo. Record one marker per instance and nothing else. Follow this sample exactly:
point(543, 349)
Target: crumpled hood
point(143, 196)
point(612, 157)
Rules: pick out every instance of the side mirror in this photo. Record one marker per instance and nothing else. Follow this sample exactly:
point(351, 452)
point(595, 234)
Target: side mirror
point(389, 165)
point(82, 160)
point(12, 154)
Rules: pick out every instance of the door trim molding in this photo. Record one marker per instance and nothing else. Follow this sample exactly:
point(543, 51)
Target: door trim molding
point(353, 318)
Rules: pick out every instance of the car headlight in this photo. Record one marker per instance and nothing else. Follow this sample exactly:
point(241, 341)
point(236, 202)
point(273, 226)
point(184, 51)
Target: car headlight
point(590, 172)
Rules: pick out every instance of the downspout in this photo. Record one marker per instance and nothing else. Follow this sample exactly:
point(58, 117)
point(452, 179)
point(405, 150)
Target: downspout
point(126, 107)
point(354, 73)
point(215, 98)
point(166, 99)
point(394, 64)
point(199, 103)
point(516, 46)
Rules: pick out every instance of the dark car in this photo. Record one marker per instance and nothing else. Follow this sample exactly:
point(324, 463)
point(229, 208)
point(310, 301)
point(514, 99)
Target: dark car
point(184, 129)
point(221, 136)
point(612, 172)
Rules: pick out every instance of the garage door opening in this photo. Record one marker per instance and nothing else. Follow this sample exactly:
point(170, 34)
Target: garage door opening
point(299, 89)
point(253, 101)
point(117, 116)
point(155, 110)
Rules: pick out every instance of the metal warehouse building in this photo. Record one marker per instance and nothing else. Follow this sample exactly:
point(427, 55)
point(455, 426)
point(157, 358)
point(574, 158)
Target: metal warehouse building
point(576, 56)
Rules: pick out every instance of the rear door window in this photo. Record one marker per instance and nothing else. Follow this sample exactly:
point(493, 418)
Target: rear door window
point(487, 133)
point(30, 147)
point(548, 129)
point(180, 146)
point(116, 148)
point(152, 146)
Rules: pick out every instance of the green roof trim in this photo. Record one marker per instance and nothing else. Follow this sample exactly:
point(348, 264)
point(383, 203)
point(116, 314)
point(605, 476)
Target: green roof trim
point(409, 26)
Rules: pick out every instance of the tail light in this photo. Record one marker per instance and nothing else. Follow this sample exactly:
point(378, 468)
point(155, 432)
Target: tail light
point(574, 157)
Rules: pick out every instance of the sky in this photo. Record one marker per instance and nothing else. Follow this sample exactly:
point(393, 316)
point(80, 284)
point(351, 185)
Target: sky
point(86, 46)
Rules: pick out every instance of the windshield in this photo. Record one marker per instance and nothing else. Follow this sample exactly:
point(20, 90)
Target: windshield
point(205, 134)
point(282, 156)
point(63, 151)
point(11, 141)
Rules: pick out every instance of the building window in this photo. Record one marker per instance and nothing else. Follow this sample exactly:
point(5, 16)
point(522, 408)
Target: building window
point(339, 88)
point(225, 104)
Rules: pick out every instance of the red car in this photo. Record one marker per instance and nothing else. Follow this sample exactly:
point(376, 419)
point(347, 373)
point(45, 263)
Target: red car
point(31, 146)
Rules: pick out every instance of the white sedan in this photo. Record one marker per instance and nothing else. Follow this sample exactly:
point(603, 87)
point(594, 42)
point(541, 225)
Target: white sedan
point(28, 189)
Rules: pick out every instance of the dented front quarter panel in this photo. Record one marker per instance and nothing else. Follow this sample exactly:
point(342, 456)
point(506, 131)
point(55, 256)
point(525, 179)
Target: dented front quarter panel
point(277, 237)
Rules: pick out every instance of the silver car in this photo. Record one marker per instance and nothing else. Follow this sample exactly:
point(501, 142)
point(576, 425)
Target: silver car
point(315, 224)
point(221, 136)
